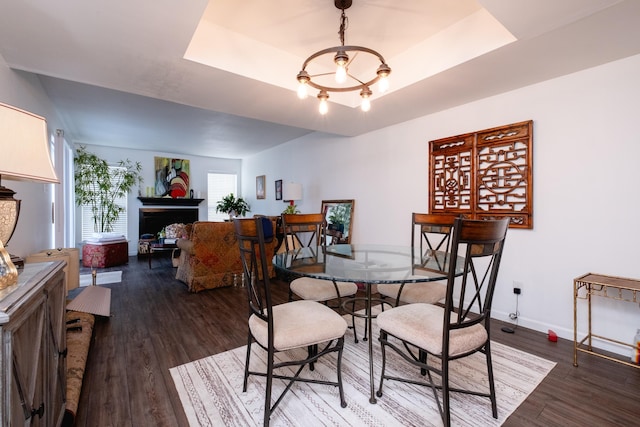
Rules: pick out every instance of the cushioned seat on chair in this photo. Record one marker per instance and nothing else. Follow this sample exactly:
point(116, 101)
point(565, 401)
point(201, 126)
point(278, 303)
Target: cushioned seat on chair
point(407, 323)
point(428, 292)
point(296, 325)
point(321, 290)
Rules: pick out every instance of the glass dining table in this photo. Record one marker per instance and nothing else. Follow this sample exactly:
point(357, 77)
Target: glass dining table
point(366, 265)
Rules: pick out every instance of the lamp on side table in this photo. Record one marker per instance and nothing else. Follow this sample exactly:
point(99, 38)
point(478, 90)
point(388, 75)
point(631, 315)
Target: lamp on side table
point(25, 157)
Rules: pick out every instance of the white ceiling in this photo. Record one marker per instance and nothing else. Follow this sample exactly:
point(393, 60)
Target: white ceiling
point(218, 79)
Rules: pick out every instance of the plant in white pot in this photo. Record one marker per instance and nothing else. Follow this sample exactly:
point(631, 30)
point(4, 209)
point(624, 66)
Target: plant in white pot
point(233, 206)
point(99, 186)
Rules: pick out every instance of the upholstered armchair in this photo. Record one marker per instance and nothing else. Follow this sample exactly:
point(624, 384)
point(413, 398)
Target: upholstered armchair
point(210, 257)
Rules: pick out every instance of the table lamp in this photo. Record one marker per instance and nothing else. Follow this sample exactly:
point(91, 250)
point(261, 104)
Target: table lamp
point(291, 192)
point(25, 157)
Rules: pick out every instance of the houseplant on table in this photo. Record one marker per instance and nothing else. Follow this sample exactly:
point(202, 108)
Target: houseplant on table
point(98, 186)
point(232, 206)
point(291, 209)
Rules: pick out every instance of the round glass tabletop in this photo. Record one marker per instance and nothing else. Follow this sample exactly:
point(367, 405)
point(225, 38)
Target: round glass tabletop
point(366, 263)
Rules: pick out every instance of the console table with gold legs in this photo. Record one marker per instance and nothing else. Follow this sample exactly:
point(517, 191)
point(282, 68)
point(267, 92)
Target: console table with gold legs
point(586, 287)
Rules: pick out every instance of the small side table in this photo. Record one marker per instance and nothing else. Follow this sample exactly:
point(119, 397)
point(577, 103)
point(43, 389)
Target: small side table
point(159, 246)
point(586, 287)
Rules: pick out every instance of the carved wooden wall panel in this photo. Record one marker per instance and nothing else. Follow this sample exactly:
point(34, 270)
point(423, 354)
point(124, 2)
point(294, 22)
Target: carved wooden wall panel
point(484, 175)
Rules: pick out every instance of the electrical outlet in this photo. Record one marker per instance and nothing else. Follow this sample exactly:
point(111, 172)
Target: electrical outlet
point(517, 287)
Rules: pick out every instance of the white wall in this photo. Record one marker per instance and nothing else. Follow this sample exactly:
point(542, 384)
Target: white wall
point(32, 234)
point(199, 167)
point(586, 150)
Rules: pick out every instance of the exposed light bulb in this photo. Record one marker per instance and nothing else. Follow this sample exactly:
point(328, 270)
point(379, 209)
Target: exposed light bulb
point(302, 90)
point(323, 96)
point(383, 84)
point(324, 107)
point(366, 105)
point(383, 72)
point(341, 74)
point(341, 60)
point(303, 78)
point(366, 102)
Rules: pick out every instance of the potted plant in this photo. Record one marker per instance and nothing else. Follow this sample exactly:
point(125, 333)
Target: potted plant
point(291, 209)
point(99, 186)
point(232, 206)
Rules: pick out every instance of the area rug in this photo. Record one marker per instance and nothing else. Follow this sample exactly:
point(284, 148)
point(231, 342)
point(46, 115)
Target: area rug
point(210, 390)
point(102, 278)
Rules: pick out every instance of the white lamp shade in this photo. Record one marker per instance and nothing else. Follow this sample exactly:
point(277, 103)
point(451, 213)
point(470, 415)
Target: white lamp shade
point(25, 147)
point(292, 191)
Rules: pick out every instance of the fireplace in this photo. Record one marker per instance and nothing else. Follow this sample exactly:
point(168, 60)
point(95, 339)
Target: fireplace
point(153, 220)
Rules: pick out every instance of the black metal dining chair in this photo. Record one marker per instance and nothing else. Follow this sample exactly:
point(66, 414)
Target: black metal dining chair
point(278, 328)
point(431, 236)
point(460, 328)
point(310, 231)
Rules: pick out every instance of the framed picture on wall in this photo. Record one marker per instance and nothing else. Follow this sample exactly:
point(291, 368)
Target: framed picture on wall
point(279, 189)
point(260, 187)
point(172, 177)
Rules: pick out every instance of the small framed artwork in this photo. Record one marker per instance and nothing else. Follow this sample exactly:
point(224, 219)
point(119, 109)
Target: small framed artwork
point(260, 187)
point(279, 189)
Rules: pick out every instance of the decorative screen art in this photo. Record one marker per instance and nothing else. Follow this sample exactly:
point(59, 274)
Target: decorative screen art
point(484, 175)
point(172, 177)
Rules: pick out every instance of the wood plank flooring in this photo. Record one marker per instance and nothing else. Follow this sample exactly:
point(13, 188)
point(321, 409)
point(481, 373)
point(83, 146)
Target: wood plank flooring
point(156, 324)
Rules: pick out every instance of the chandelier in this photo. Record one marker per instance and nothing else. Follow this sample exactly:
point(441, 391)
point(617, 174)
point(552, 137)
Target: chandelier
point(345, 80)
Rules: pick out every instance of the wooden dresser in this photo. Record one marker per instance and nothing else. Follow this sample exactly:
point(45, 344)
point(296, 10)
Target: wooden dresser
point(33, 348)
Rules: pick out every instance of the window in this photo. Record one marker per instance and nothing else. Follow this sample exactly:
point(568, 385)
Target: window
point(119, 226)
point(218, 186)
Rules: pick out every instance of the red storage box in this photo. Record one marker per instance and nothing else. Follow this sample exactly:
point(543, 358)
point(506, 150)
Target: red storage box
point(105, 255)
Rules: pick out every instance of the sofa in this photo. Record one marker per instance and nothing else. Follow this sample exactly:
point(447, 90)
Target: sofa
point(210, 258)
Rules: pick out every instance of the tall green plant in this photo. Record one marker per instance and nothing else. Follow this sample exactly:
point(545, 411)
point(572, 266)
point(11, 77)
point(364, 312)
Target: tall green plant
point(99, 186)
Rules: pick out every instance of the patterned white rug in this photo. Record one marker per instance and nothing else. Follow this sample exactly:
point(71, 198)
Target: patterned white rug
point(210, 390)
point(102, 278)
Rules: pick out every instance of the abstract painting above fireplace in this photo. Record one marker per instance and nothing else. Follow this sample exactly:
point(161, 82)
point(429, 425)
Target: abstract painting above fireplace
point(172, 177)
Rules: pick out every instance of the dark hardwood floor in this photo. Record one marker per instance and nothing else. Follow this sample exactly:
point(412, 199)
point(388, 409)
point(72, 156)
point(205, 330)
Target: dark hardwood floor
point(156, 324)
